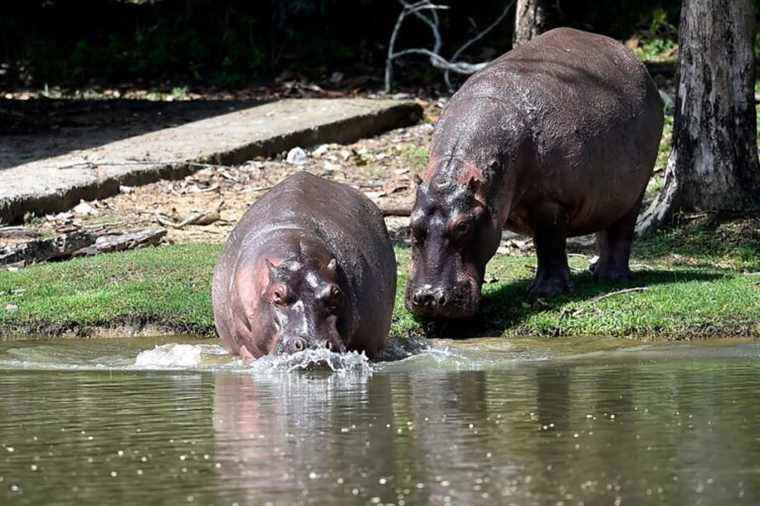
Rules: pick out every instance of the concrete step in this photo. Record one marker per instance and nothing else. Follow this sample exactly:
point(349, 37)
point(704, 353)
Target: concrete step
point(90, 164)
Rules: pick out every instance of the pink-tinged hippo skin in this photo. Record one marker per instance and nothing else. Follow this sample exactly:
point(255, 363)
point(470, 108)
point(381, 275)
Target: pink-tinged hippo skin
point(554, 139)
point(309, 264)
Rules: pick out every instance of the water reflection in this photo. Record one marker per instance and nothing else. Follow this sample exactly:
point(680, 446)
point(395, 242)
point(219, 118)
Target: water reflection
point(612, 429)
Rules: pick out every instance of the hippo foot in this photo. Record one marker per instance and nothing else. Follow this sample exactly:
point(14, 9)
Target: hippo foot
point(606, 272)
point(547, 286)
point(246, 355)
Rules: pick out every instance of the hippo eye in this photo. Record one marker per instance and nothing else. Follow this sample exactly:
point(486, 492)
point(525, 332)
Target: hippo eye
point(332, 298)
point(462, 228)
point(418, 234)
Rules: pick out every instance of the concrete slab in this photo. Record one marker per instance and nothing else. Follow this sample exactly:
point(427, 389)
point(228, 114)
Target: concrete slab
point(59, 182)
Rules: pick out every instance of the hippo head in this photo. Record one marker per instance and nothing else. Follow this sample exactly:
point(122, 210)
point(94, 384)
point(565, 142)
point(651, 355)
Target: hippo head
point(453, 235)
point(305, 303)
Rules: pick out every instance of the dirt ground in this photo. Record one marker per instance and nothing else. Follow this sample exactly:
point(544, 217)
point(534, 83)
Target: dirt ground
point(206, 205)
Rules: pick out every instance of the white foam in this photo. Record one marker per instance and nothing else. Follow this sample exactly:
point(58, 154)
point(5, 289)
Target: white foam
point(170, 356)
point(320, 358)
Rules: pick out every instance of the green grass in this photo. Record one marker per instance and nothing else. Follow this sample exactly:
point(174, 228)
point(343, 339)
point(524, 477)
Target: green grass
point(416, 159)
point(698, 280)
point(657, 49)
point(167, 286)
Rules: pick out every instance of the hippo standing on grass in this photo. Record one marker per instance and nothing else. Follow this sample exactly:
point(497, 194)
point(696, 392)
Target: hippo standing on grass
point(310, 264)
point(557, 138)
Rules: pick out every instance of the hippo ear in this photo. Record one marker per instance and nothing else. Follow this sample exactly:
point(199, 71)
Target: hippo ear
point(473, 185)
point(332, 266)
point(272, 268)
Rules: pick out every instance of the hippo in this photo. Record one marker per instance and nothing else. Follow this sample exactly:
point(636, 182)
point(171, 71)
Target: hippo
point(310, 264)
point(556, 138)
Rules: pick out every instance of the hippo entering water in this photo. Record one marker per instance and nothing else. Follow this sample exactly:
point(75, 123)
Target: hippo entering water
point(310, 264)
point(555, 139)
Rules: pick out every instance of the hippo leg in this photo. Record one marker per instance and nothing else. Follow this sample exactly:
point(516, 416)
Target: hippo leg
point(553, 273)
point(614, 245)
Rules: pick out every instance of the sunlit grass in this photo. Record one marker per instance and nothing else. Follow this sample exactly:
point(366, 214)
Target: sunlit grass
point(698, 281)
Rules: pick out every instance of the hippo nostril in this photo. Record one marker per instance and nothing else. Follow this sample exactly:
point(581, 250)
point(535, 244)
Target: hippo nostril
point(440, 299)
point(299, 344)
point(423, 298)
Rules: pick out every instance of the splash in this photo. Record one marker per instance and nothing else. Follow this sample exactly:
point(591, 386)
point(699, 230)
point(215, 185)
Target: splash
point(214, 357)
point(174, 355)
point(315, 359)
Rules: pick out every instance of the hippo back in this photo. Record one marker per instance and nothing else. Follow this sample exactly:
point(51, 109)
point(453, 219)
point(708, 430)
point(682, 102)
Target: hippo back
point(588, 109)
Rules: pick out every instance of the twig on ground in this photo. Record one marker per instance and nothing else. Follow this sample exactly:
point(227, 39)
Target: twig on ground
point(592, 302)
point(261, 188)
point(94, 165)
point(619, 292)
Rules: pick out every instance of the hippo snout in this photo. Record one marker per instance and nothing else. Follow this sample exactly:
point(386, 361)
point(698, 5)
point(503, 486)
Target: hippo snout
point(428, 301)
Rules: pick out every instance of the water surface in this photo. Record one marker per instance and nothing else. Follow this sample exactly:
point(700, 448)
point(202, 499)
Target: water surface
point(84, 422)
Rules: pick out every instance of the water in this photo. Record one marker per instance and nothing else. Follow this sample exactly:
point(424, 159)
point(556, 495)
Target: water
point(119, 422)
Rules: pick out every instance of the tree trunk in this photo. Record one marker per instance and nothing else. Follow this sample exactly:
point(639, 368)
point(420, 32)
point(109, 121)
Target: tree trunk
point(530, 20)
point(713, 165)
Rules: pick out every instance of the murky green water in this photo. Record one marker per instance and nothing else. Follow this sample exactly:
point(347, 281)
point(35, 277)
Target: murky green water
point(653, 425)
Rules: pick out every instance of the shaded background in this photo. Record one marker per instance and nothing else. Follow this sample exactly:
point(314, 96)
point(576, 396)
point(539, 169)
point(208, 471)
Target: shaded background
point(233, 43)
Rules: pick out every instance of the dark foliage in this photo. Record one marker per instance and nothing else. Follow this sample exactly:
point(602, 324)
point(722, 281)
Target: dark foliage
point(235, 42)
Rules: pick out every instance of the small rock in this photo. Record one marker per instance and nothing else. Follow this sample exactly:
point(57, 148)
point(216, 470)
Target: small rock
point(63, 217)
point(297, 156)
point(126, 189)
point(11, 308)
point(85, 209)
point(321, 150)
point(330, 167)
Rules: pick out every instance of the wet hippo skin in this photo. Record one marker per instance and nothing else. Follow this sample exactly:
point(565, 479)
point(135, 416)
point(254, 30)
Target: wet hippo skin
point(309, 264)
point(554, 139)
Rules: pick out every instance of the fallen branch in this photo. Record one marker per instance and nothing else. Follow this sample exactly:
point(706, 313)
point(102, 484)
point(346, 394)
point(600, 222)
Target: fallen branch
point(18, 232)
point(40, 250)
point(426, 11)
point(206, 218)
point(109, 243)
point(402, 211)
point(77, 243)
point(196, 218)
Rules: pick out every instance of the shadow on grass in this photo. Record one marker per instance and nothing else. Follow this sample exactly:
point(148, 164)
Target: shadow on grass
point(700, 241)
point(508, 305)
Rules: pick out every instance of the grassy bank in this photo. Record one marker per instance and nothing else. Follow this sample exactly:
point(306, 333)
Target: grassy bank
point(699, 280)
